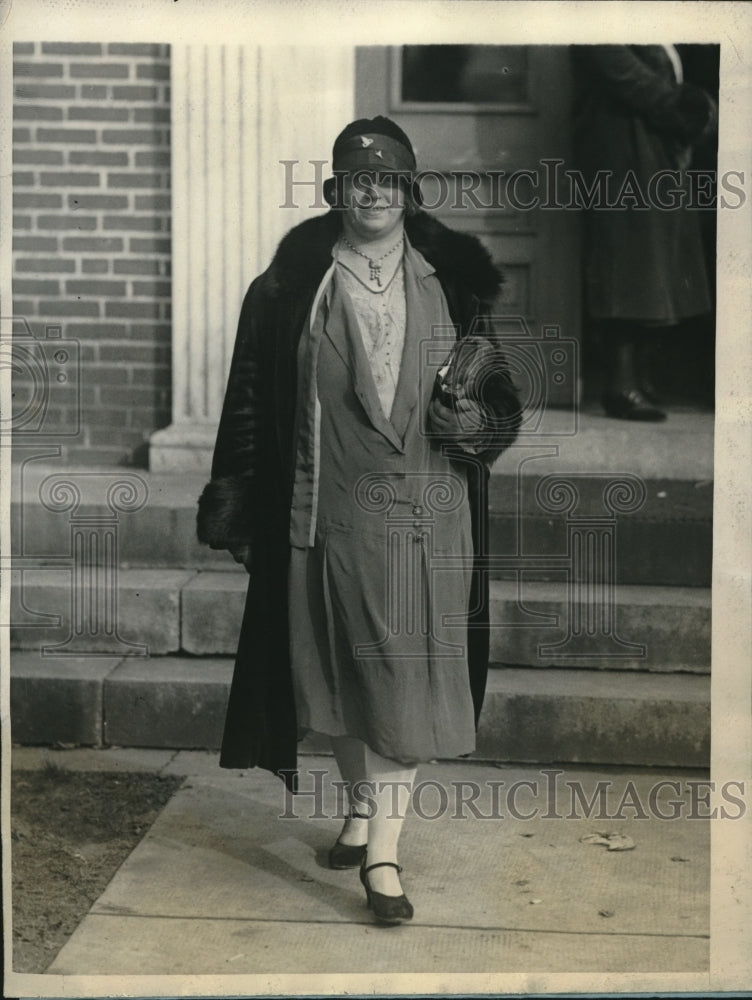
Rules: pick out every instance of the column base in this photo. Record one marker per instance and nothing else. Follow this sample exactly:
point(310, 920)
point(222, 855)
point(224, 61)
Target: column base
point(182, 447)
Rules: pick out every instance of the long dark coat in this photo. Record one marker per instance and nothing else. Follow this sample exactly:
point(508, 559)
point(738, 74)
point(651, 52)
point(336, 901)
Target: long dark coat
point(632, 119)
point(247, 501)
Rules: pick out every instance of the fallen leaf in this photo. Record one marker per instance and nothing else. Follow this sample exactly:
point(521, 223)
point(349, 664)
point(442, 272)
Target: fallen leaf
point(534, 902)
point(620, 842)
point(605, 913)
point(676, 857)
point(613, 841)
point(593, 838)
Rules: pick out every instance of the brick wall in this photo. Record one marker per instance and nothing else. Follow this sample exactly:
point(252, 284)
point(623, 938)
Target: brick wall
point(91, 234)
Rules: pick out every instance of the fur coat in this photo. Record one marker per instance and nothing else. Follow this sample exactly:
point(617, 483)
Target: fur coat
point(247, 501)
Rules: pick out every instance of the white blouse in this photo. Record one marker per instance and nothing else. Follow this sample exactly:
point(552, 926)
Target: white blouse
point(382, 317)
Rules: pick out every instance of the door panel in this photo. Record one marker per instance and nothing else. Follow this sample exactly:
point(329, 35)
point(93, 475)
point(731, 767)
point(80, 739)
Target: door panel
point(487, 112)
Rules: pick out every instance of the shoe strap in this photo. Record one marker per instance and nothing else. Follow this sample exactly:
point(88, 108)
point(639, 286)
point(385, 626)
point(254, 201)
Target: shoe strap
point(383, 864)
point(352, 814)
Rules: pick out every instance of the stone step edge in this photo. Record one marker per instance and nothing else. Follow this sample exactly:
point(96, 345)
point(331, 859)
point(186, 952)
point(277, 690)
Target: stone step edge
point(500, 485)
point(167, 612)
point(236, 579)
point(679, 449)
point(530, 714)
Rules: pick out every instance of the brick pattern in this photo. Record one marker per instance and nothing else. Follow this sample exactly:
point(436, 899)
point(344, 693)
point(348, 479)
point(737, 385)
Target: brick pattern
point(91, 247)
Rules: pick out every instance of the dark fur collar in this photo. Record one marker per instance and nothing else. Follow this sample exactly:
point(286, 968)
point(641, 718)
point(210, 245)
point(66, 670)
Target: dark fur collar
point(305, 253)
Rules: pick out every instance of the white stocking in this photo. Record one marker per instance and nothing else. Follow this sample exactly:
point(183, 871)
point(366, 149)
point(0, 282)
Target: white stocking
point(390, 786)
point(351, 761)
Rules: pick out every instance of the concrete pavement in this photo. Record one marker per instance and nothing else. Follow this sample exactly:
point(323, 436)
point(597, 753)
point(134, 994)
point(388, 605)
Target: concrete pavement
point(222, 884)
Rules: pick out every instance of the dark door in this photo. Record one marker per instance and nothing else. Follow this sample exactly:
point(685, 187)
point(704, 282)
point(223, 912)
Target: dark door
point(501, 115)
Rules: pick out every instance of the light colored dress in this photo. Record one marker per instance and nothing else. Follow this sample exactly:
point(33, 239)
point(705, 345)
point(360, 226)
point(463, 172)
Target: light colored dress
point(380, 526)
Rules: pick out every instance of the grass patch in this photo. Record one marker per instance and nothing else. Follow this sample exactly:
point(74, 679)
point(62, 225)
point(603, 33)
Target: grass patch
point(70, 832)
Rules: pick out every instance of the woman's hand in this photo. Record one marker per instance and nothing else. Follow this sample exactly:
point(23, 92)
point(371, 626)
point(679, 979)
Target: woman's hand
point(242, 555)
point(461, 423)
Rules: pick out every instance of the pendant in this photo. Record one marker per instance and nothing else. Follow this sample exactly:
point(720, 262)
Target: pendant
point(375, 271)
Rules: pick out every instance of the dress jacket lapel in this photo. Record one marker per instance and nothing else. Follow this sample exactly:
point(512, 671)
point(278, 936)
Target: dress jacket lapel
point(343, 330)
point(420, 319)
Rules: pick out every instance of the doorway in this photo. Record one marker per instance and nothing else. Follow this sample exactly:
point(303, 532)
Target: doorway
point(489, 123)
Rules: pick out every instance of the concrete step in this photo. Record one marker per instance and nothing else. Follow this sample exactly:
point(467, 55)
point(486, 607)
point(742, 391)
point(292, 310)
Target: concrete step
point(594, 717)
point(133, 612)
point(656, 629)
point(663, 538)
point(161, 701)
point(667, 540)
point(536, 624)
point(530, 715)
point(656, 547)
point(663, 544)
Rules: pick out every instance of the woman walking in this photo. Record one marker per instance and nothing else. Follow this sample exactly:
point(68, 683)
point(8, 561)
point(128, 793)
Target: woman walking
point(354, 490)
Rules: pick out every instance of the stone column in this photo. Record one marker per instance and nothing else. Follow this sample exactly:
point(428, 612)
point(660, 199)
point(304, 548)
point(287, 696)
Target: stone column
point(238, 111)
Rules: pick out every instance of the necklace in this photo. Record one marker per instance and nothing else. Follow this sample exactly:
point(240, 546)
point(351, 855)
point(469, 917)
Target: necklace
point(374, 264)
point(371, 291)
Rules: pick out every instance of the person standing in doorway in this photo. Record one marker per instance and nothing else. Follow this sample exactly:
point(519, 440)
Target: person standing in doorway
point(636, 120)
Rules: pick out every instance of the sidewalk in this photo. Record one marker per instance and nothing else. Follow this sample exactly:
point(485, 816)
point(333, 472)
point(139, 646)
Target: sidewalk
point(222, 885)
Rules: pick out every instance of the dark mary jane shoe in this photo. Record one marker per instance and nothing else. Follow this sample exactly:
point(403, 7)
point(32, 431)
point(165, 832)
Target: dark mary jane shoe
point(343, 856)
point(631, 405)
point(386, 909)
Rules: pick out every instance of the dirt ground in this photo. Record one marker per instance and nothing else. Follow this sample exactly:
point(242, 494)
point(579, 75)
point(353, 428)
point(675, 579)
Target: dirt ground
point(70, 832)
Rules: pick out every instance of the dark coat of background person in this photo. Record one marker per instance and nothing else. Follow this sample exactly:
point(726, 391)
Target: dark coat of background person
point(247, 501)
point(630, 114)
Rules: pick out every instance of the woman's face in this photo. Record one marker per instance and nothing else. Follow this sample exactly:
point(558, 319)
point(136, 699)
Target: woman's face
point(375, 206)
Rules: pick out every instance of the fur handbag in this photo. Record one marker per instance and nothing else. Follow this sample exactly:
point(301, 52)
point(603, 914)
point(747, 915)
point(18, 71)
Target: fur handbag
point(476, 370)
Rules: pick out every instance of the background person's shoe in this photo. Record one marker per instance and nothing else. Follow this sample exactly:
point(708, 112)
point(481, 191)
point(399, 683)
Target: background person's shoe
point(650, 392)
point(631, 405)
